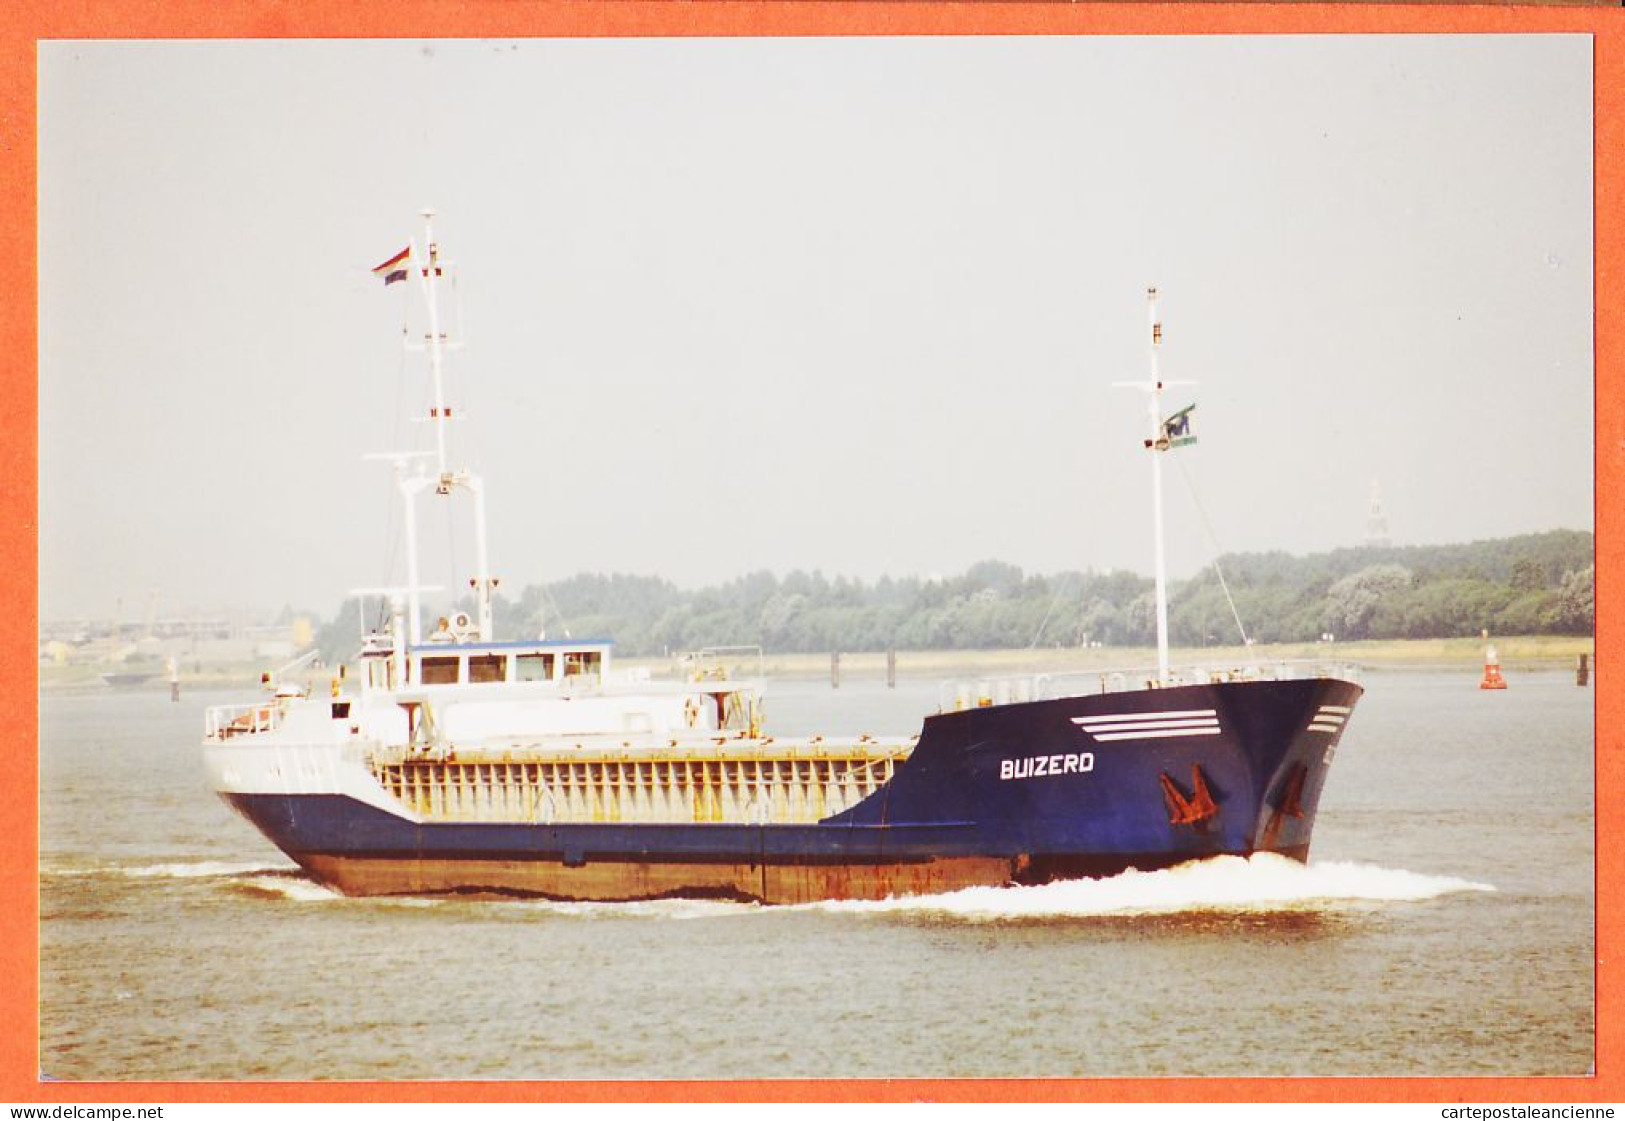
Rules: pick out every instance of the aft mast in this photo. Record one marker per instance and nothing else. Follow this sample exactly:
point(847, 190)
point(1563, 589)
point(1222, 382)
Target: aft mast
point(429, 272)
point(435, 340)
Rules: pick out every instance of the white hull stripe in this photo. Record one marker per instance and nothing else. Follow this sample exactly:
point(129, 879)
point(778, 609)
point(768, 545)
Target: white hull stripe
point(1150, 725)
point(1329, 718)
point(1137, 717)
point(1147, 725)
point(1170, 733)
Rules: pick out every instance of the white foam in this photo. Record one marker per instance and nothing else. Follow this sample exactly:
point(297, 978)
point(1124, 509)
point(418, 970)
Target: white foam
point(290, 887)
point(181, 870)
point(205, 868)
point(1261, 883)
point(296, 887)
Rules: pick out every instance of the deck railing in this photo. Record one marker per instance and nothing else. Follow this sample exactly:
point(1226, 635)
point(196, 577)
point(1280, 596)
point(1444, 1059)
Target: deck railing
point(221, 722)
point(984, 692)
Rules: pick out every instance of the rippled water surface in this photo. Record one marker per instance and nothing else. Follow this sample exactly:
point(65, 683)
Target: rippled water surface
point(1443, 926)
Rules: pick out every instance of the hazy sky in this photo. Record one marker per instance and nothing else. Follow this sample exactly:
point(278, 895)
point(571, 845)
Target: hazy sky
point(848, 304)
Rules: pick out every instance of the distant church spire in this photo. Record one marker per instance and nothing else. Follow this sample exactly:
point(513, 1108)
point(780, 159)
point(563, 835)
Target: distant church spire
point(1376, 522)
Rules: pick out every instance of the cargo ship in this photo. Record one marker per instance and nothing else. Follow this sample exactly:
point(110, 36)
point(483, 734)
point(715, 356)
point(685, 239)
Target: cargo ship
point(455, 762)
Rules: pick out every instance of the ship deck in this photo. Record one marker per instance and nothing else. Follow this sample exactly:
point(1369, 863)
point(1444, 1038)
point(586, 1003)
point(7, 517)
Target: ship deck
point(736, 780)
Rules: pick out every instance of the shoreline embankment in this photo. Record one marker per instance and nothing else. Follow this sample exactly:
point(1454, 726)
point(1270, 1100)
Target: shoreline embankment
point(1515, 653)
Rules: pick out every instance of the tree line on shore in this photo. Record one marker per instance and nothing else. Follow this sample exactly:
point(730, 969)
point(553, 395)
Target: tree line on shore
point(1533, 584)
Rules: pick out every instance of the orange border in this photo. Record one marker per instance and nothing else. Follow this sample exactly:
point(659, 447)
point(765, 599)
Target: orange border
point(26, 22)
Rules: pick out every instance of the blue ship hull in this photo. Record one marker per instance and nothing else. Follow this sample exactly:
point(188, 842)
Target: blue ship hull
point(1019, 793)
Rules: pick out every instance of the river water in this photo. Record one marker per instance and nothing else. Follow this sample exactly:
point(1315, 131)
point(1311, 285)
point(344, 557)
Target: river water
point(1444, 926)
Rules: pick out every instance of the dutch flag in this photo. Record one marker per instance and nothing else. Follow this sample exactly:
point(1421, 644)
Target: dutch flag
point(395, 268)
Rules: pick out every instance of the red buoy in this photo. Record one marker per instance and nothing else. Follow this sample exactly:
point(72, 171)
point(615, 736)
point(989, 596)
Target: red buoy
point(1492, 671)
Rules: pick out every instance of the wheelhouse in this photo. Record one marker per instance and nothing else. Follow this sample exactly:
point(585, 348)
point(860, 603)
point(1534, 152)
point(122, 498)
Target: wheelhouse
point(562, 664)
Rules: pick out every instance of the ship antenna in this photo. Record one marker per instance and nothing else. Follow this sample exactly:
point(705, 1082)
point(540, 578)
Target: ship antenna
point(1163, 434)
point(428, 274)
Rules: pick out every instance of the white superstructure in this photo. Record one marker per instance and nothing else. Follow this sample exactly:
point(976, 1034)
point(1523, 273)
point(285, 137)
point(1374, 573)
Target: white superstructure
point(422, 713)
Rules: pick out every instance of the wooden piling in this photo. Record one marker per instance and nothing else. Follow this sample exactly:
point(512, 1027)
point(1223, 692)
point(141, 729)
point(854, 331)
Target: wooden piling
point(1582, 671)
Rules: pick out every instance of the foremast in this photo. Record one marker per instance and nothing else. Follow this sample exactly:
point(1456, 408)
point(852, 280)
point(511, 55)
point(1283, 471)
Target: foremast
point(1163, 434)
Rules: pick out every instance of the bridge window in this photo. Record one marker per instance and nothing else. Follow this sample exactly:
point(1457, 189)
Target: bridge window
point(533, 667)
point(486, 667)
point(583, 663)
point(439, 671)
